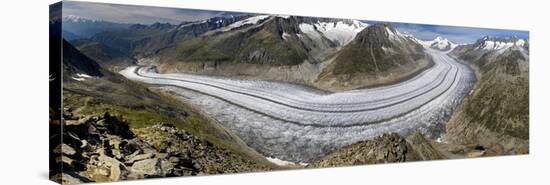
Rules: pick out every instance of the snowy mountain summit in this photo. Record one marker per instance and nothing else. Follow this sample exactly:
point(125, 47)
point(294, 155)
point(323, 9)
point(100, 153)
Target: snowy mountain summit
point(439, 43)
point(340, 32)
point(499, 44)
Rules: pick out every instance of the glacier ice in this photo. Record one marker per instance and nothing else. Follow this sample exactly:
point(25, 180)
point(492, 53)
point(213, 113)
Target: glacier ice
point(295, 123)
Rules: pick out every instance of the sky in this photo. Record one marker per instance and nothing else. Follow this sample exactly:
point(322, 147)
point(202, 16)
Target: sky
point(149, 15)
point(136, 14)
point(459, 35)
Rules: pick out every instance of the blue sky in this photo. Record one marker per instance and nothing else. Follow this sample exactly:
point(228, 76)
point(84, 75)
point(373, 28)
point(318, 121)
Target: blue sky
point(454, 33)
point(149, 15)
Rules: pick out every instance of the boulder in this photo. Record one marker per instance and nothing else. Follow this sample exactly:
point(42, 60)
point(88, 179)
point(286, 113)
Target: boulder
point(64, 149)
point(147, 168)
point(139, 157)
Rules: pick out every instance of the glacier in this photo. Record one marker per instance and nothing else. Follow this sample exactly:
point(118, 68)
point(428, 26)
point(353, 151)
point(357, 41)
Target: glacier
point(299, 124)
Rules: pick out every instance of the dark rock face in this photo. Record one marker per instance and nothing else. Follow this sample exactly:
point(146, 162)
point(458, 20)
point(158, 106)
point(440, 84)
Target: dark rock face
point(75, 62)
point(105, 56)
point(103, 148)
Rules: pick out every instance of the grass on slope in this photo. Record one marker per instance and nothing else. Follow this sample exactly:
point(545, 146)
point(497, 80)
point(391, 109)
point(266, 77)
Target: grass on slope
point(500, 101)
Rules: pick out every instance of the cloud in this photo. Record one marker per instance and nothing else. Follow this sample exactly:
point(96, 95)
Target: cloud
point(136, 14)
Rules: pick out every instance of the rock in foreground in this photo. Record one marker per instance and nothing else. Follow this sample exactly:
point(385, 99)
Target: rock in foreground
point(104, 148)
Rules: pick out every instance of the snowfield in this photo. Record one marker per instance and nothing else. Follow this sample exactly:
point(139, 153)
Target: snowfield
point(297, 123)
point(251, 20)
point(339, 32)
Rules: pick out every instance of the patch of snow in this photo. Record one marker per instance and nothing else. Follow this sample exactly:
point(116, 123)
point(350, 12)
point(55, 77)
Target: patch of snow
point(283, 16)
point(285, 36)
point(250, 20)
point(280, 162)
point(81, 77)
point(78, 79)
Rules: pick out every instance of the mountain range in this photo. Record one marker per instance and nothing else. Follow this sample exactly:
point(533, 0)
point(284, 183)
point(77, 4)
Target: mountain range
point(306, 50)
point(324, 53)
point(330, 54)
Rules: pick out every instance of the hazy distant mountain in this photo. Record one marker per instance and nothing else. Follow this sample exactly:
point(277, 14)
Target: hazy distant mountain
point(80, 27)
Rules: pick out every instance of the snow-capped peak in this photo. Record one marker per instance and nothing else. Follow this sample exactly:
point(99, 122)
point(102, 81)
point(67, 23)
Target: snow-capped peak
point(250, 20)
point(341, 32)
point(78, 19)
point(396, 35)
point(439, 43)
point(493, 43)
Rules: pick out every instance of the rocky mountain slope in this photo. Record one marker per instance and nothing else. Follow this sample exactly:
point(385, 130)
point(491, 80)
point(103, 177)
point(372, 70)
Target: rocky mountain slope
point(378, 55)
point(272, 40)
point(388, 148)
point(496, 113)
point(104, 148)
point(285, 48)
